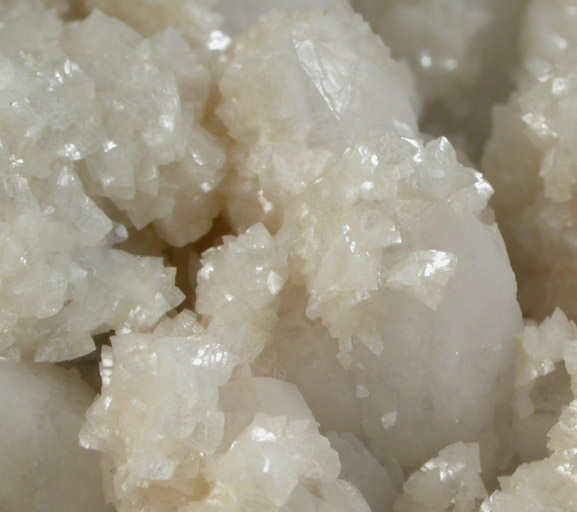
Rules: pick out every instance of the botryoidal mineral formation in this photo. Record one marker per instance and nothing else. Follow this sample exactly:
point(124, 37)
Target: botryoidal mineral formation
point(354, 342)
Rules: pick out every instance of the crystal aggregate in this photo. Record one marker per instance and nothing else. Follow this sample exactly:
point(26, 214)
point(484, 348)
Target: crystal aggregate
point(296, 291)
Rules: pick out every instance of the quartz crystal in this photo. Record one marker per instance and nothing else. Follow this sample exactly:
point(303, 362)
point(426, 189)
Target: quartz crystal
point(298, 295)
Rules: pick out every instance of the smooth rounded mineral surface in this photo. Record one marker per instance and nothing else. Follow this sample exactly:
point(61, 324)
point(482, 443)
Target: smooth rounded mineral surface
point(42, 467)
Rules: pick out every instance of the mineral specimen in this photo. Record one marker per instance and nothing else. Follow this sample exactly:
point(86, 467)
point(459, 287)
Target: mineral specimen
point(548, 484)
point(296, 102)
point(461, 53)
point(347, 313)
point(531, 161)
point(389, 230)
point(449, 482)
point(180, 435)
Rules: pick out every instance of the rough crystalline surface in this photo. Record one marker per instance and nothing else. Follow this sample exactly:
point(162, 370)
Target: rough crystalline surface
point(450, 482)
point(298, 91)
point(42, 468)
point(531, 159)
point(196, 20)
point(91, 146)
point(386, 228)
point(184, 429)
point(542, 387)
point(550, 483)
point(347, 314)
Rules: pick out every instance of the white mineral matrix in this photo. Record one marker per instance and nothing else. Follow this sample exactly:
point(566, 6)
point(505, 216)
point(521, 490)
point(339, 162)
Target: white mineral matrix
point(249, 260)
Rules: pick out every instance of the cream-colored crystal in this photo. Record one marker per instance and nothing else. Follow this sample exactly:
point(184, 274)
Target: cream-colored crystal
point(450, 482)
point(299, 89)
point(351, 313)
point(388, 230)
point(550, 483)
point(179, 435)
point(196, 20)
point(531, 160)
point(101, 130)
point(541, 383)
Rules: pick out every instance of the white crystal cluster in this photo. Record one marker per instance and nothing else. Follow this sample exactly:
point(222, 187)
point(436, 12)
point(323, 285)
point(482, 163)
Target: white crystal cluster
point(450, 482)
point(195, 20)
point(550, 483)
point(297, 297)
point(531, 160)
point(184, 424)
point(384, 232)
point(298, 91)
point(69, 167)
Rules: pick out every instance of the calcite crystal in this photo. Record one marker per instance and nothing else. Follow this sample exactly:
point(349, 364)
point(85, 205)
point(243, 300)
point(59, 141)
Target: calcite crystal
point(298, 295)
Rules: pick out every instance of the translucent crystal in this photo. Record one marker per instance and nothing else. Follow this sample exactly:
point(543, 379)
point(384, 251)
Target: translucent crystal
point(387, 231)
point(271, 456)
point(550, 483)
point(449, 482)
point(295, 102)
point(90, 145)
point(350, 315)
point(150, 102)
point(373, 321)
point(174, 427)
point(541, 384)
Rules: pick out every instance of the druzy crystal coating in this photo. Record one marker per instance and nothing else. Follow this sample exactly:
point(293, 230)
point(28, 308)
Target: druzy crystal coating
point(251, 256)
